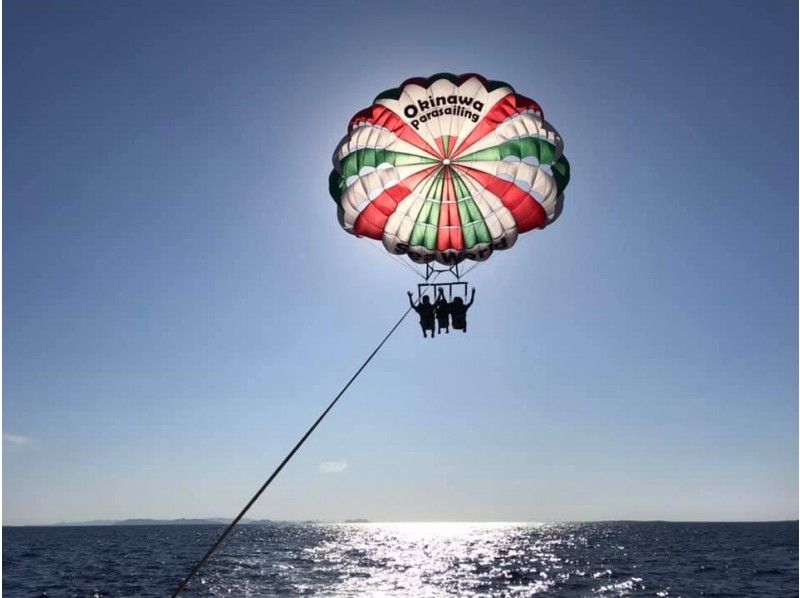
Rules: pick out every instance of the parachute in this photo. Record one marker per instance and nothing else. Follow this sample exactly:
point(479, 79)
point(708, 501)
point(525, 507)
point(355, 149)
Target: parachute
point(449, 168)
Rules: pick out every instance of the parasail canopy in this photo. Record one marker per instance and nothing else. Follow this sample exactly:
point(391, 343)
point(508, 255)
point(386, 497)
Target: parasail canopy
point(449, 168)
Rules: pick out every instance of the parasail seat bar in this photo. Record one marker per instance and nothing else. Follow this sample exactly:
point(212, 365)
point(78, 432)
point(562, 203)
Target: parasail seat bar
point(424, 286)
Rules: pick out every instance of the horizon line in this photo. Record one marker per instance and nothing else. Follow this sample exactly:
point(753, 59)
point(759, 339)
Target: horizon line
point(362, 521)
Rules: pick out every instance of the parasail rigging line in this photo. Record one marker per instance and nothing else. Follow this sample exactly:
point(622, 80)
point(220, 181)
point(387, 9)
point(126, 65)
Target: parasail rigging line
point(471, 268)
point(283, 463)
point(399, 260)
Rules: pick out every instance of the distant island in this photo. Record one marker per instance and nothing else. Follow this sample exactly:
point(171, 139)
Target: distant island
point(208, 521)
point(143, 521)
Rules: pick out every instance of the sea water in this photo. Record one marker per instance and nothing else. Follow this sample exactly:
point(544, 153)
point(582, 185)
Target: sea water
point(408, 559)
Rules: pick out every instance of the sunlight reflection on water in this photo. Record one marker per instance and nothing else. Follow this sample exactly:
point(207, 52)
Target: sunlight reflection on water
point(433, 559)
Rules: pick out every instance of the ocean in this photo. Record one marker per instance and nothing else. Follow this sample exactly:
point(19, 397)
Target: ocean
point(408, 559)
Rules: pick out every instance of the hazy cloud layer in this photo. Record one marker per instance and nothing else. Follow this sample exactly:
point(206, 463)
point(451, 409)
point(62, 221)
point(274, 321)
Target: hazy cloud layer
point(333, 466)
point(15, 440)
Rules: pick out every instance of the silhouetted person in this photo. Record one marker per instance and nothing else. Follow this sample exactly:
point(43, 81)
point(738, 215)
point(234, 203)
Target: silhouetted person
point(426, 315)
point(442, 312)
point(458, 312)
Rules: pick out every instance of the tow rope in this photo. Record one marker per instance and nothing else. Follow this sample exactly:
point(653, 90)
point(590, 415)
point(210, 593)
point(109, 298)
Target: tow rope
point(286, 459)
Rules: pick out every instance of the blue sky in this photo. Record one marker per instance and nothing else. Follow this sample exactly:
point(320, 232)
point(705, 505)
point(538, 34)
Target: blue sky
point(180, 302)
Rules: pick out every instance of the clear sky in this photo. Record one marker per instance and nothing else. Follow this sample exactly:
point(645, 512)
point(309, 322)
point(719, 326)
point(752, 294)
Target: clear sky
point(180, 302)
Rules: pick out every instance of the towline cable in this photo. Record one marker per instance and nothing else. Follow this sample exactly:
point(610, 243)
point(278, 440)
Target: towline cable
point(286, 459)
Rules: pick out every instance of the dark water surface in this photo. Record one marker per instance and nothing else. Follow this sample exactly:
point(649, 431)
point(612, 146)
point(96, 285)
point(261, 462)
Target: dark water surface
point(409, 559)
